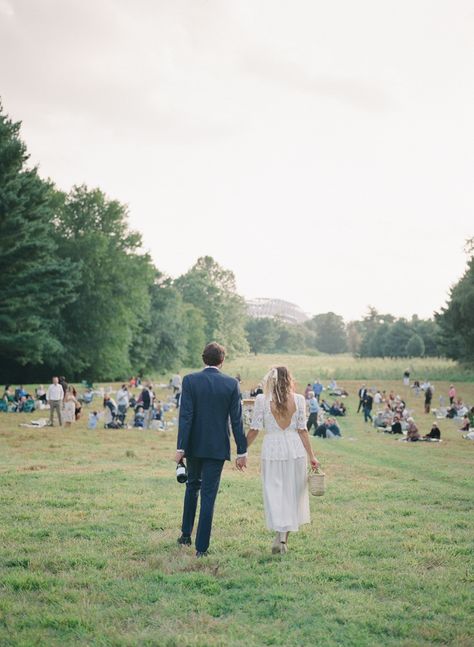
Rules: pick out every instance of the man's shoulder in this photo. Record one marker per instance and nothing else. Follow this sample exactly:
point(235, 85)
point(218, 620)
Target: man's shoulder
point(206, 372)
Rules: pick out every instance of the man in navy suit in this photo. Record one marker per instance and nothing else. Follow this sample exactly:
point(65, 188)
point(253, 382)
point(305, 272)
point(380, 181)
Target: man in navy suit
point(209, 400)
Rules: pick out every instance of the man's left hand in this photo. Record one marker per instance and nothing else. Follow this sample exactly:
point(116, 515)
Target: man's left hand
point(241, 463)
point(179, 456)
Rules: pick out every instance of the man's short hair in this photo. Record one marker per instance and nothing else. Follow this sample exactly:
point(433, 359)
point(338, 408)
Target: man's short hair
point(213, 354)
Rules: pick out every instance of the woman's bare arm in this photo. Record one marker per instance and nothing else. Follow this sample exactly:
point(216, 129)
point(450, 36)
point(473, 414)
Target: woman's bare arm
point(253, 433)
point(304, 435)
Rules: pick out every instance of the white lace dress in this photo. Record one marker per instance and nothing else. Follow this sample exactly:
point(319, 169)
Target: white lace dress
point(284, 467)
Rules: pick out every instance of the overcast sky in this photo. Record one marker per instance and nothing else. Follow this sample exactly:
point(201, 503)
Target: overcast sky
point(323, 151)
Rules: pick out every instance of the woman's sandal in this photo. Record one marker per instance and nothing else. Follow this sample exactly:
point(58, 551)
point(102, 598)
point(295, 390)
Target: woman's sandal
point(283, 548)
point(276, 544)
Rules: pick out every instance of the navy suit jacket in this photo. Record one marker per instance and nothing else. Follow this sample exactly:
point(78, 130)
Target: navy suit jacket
point(209, 400)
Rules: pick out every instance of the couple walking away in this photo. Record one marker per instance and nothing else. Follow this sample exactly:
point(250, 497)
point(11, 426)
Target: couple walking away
point(209, 400)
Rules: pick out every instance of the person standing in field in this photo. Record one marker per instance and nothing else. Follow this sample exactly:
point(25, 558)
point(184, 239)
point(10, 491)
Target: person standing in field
point(146, 400)
point(367, 405)
point(362, 393)
point(55, 397)
point(209, 401)
point(176, 383)
point(285, 450)
point(313, 407)
point(317, 390)
point(428, 398)
point(69, 408)
point(452, 394)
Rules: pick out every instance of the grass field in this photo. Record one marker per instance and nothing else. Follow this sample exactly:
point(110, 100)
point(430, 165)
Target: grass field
point(89, 521)
point(307, 368)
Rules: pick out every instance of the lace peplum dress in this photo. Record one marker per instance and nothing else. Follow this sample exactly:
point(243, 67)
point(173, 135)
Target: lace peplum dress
point(284, 467)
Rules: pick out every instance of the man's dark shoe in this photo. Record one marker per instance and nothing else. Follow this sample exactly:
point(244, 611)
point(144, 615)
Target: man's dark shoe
point(201, 554)
point(184, 540)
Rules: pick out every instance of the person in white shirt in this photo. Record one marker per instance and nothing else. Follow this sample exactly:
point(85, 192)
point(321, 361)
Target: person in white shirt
point(55, 396)
point(176, 383)
point(123, 398)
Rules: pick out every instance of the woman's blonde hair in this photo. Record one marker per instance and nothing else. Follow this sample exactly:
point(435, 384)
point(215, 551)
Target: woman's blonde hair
point(278, 385)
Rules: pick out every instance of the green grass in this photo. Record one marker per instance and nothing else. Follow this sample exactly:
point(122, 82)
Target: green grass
point(89, 521)
point(307, 367)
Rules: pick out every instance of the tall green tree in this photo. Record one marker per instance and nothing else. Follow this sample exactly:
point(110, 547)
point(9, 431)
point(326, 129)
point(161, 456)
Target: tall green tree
point(330, 332)
point(262, 334)
point(354, 332)
point(456, 319)
point(34, 283)
point(415, 346)
point(211, 288)
point(195, 335)
point(112, 296)
point(173, 335)
point(430, 332)
point(396, 339)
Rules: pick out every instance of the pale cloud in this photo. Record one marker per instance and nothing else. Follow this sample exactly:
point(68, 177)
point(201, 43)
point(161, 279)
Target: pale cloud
point(6, 9)
point(354, 92)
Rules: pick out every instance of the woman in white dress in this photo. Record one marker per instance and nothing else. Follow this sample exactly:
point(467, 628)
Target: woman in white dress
point(285, 449)
point(69, 409)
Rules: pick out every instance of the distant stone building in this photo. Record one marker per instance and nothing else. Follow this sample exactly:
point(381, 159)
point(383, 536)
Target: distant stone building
point(276, 309)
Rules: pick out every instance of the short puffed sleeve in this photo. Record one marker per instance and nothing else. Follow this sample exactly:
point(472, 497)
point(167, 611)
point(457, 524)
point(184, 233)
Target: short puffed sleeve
point(300, 412)
point(258, 413)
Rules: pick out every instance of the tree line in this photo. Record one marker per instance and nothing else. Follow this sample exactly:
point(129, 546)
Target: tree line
point(450, 333)
point(81, 297)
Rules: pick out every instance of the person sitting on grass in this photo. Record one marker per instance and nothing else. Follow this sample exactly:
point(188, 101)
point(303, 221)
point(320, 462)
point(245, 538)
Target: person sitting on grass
point(93, 420)
point(380, 421)
point(40, 393)
point(20, 404)
point(88, 396)
point(158, 412)
point(325, 406)
point(434, 434)
point(258, 391)
point(332, 429)
point(8, 394)
point(395, 427)
point(470, 415)
point(139, 418)
point(337, 409)
point(465, 424)
point(20, 393)
point(320, 432)
point(28, 404)
point(412, 432)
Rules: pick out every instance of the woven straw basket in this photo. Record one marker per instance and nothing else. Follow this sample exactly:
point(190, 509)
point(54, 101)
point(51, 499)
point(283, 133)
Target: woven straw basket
point(317, 482)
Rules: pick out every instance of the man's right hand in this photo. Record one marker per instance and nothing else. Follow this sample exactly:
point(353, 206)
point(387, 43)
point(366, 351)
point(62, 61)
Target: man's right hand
point(241, 463)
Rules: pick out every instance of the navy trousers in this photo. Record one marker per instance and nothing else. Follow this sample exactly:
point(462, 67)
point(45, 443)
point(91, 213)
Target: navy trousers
point(204, 475)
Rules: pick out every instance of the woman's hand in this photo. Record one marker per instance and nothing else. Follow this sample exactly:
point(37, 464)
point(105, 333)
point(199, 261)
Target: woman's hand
point(315, 464)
